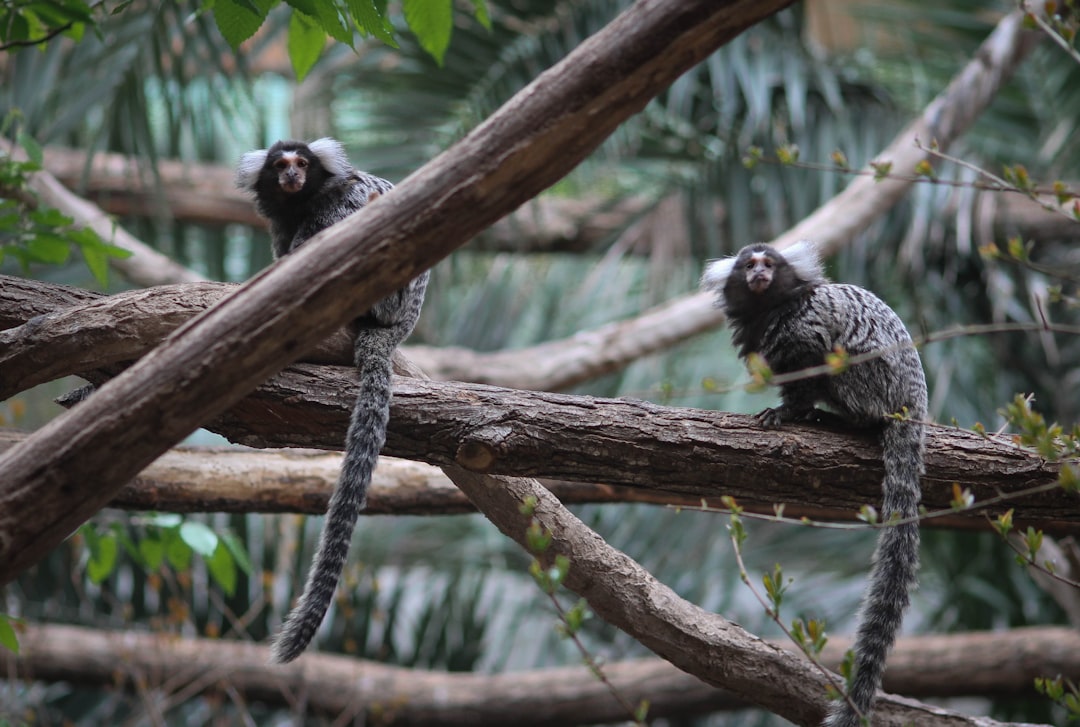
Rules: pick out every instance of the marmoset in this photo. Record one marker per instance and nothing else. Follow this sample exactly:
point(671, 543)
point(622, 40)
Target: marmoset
point(781, 306)
point(301, 189)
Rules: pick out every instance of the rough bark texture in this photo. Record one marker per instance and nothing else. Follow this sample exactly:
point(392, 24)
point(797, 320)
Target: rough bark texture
point(635, 443)
point(537, 137)
point(616, 442)
point(975, 664)
point(54, 331)
point(226, 479)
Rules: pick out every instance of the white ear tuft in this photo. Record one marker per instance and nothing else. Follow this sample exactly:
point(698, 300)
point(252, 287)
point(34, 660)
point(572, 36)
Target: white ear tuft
point(331, 153)
point(716, 275)
point(804, 257)
point(248, 169)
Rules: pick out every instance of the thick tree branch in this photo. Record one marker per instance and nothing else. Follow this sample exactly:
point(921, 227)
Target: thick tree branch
point(227, 479)
point(515, 433)
point(54, 331)
point(975, 664)
point(634, 443)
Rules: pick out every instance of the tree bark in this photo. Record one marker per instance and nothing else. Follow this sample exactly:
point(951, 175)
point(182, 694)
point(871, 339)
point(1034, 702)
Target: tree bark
point(638, 444)
point(504, 431)
point(990, 664)
point(212, 479)
point(227, 479)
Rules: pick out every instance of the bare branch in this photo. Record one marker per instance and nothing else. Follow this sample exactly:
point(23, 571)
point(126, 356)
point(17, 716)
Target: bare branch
point(975, 664)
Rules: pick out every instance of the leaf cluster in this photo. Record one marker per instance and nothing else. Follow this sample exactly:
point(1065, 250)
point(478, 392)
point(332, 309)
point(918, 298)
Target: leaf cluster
point(25, 24)
point(165, 540)
point(31, 233)
point(311, 21)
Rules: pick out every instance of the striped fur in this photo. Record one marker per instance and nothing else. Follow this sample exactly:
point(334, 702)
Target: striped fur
point(332, 191)
point(787, 312)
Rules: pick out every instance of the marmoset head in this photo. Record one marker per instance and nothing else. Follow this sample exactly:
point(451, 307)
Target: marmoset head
point(761, 276)
point(291, 170)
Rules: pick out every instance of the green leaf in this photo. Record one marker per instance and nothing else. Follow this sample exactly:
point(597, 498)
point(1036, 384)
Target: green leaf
point(326, 14)
point(238, 21)
point(50, 217)
point(102, 558)
point(481, 11)
point(49, 249)
point(432, 21)
point(371, 21)
point(32, 148)
point(98, 261)
point(177, 552)
point(152, 552)
point(8, 638)
point(202, 539)
point(240, 555)
point(223, 569)
point(306, 41)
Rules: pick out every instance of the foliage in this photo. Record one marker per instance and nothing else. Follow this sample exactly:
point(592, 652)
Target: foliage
point(24, 24)
point(311, 21)
point(32, 233)
point(165, 539)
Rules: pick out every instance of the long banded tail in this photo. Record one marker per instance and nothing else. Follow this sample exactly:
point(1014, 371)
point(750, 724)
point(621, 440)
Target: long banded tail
point(896, 563)
point(364, 441)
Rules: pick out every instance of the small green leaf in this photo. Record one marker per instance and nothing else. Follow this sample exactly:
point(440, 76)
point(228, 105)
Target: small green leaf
point(222, 569)
point(371, 21)
point(152, 552)
point(8, 638)
point(480, 10)
point(326, 14)
point(32, 148)
point(239, 554)
point(48, 248)
point(199, 537)
point(238, 20)
point(432, 21)
point(177, 552)
point(306, 41)
point(98, 261)
point(102, 558)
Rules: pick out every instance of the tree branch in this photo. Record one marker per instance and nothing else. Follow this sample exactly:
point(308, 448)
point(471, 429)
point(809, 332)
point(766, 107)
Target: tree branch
point(939, 666)
point(227, 479)
point(511, 432)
